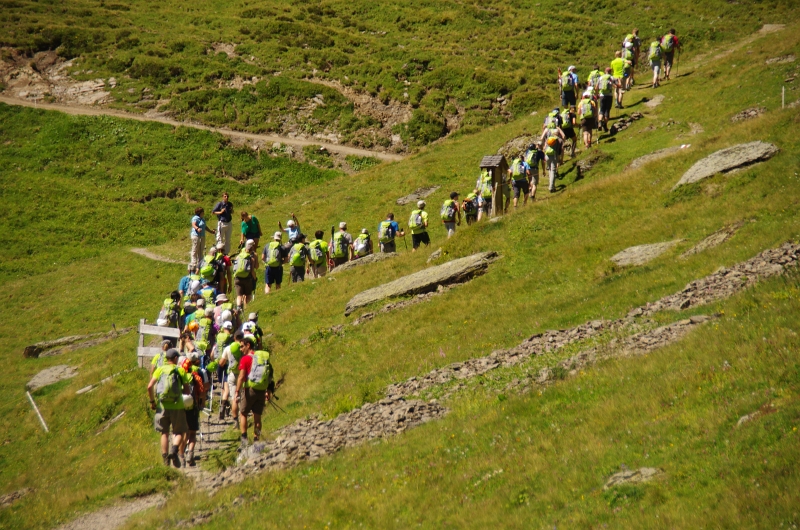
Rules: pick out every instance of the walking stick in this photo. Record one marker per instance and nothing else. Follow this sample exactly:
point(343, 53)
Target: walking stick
point(405, 242)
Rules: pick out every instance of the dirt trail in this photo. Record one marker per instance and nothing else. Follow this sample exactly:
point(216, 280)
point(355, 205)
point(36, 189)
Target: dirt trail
point(147, 254)
point(113, 516)
point(81, 110)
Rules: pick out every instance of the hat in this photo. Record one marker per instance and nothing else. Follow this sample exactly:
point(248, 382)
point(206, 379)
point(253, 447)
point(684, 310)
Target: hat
point(194, 356)
point(364, 231)
point(227, 325)
point(209, 311)
point(587, 94)
point(277, 236)
point(201, 302)
point(172, 353)
point(249, 244)
point(220, 246)
point(420, 204)
point(221, 298)
point(342, 225)
point(571, 68)
point(290, 222)
point(248, 327)
point(226, 316)
point(252, 316)
point(166, 342)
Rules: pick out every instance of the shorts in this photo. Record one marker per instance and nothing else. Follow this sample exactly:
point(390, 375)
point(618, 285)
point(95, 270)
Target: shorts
point(222, 373)
point(605, 104)
point(485, 206)
point(244, 286)
point(252, 401)
point(193, 419)
point(535, 177)
point(231, 381)
point(655, 66)
point(505, 190)
point(318, 271)
point(273, 275)
point(389, 247)
point(417, 239)
point(668, 58)
point(166, 418)
point(569, 133)
point(340, 261)
point(587, 125)
point(521, 186)
point(298, 274)
point(450, 226)
point(568, 99)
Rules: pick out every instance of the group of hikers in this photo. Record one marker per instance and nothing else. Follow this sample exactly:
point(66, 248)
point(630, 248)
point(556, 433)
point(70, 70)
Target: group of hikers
point(215, 340)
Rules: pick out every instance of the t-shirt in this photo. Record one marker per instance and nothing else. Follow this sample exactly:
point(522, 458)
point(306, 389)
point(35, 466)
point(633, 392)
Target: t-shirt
point(182, 375)
point(393, 228)
point(251, 229)
point(245, 363)
point(618, 67)
point(282, 253)
point(421, 229)
point(293, 231)
point(227, 211)
point(201, 224)
point(183, 285)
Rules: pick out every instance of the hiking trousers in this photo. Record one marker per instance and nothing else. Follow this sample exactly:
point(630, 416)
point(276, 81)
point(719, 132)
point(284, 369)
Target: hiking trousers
point(224, 235)
point(196, 254)
point(552, 169)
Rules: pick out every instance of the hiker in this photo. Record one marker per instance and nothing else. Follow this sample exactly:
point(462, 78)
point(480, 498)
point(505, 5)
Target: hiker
point(244, 272)
point(185, 282)
point(298, 257)
point(198, 237)
point(534, 156)
point(273, 256)
point(618, 73)
point(654, 55)
point(470, 207)
point(486, 189)
point(158, 360)
point(224, 278)
point(418, 223)
point(254, 386)
point(292, 230)
point(568, 127)
point(222, 305)
point(341, 246)
point(205, 335)
point(552, 140)
point(520, 176)
point(317, 256)
point(198, 390)
point(552, 120)
point(451, 214)
point(633, 43)
point(388, 229)
point(224, 212)
point(586, 113)
point(569, 85)
point(605, 88)
point(669, 43)
point(362, 245)
point(251, 229)
point(594, 77)
point(229, 361)
point(165, 391)
point(627, 72)
point(258, 333)
point(169, 314)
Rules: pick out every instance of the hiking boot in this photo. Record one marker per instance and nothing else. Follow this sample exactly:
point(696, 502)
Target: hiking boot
point(191, 459)
point(182, 459)
point(176, 461)
point(552, 190)
point(165, 459)
point(243, 444)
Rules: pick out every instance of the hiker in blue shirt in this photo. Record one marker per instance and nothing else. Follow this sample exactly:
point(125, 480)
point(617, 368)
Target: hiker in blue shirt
point(387, 230)
point(292, 230)
point(198, 236)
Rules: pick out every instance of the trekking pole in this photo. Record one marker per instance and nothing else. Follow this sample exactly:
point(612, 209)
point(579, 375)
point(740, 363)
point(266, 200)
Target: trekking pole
point(406, 242)
point(277, 407)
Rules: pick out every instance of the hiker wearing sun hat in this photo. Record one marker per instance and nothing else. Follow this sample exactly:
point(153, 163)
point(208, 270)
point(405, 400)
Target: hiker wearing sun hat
point(569, 87)
point(292, 229)
point(341, 246)
point(273, 256)
point(165, 391)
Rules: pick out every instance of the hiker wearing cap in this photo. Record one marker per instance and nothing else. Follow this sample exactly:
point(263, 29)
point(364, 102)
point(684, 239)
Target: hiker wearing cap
point(224, 212)
point(654, 55)
point(418, 223)
point(569, 86)
point(519, 175)
point(627, 71)
point(317, 257)
point(552, 139)
point(552, 120)
point(568, 117)
point(669, 43)
point(362, 244)
point(450, 212)
point(587, 112)
point(258, 333)
point(229, 361)
point(292, 230)
point(244, 272)
point(605, 90)
point(165, 391)
point(618, 73)
point(222, 305)
point(341, 246)
point(388, 229)
point(198, 390)
point(534, 157)
point(273, 256)
point(470, 207)
point(298, 258)
point(254, 386)
point(251, 229)
point(158, 360)
point(224, 277)
point(197, 234)
point(486, 188)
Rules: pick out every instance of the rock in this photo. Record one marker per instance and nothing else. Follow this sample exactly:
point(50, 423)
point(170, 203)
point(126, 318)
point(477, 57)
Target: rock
point(695, 128)
point(727, 159)
point(656, 155)
point(591, 160)
point(436, 254)
point(625, 122)
point(748, 114)
point(370, 258)
point(10, 498)
point(71, 343)
point(781, 60)
point(717, 238)
point(419, 193)
point(655, 102)
point(515, 146)
point(632, 476)
point(51, 375)
point(426, 280)
point(641, 254)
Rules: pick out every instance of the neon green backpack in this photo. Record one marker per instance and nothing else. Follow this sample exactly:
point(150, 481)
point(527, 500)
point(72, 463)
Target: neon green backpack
point(209, 269)
point(384, 233)
point(486, 184)
point(339, 245)
point(298, 258)
point(567, 82)
point(668, 42)
point(274, 254)
point(260, 375)
point(317, 250)
point(655, 51)
point(169, 387)
point(586, 108)
point(243, 264)
point(416, 221)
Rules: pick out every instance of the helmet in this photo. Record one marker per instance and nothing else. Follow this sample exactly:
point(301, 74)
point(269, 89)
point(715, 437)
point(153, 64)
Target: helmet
point(188, 401)
point(552, 141)
point(193, 326)
point(226, 316)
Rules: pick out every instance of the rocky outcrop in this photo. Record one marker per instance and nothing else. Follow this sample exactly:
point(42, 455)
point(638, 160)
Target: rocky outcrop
point(632, 476)
point(10, 498)
point(641, 254)
point(512, 148)
point(370, 258)
point(426, 280)
point(783, 59)
point(727, 159)
point(71, 343)
point(726, 281)
point(51, 375)
point(652, 157)
point(748, 114)
point(717, 238)
point(414, 196)
point(625, 122)
point(655, 102)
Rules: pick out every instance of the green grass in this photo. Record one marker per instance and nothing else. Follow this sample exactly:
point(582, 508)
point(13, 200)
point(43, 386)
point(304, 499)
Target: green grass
point(554, 273)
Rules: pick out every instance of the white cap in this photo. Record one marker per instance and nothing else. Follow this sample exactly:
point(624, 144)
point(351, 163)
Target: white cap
point(628, 44)
point(247, 327)
point(290, 222)
point(252, 316)
point(249, 244)
point(194, 286)
point(420, 204)
point(587, 94)
point(227, 325)
point(277, 236)
point(226, 316)
point(209, 311)
point(571, 68)
point(342, 225)
point(200, 302)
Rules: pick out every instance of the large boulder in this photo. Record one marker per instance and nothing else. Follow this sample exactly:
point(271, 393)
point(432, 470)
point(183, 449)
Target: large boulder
point(371, 258)
point(51, 375)
point(641, 254)
point(424, 281)
point(414, 196)
point(728, 159)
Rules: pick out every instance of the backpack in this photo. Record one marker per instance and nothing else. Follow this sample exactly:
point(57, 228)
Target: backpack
point(339, 245)
point(169, 387)
point(604, 84)
point(566, 120)
point(361, 245)
point(385, 232)
point(668, 43)
point(198, 383)
point(518, 169)
point(586, 108)
point(168, 316)
point(448, 211)
point(486, 185)
point(243, 265)
point(298, 258)
point(315, 252)
point(260, 376)
point(210, 267)
point(273, 254)
point(470, 208)
point(416, 221)
point(594, 76)
point(567, 82)
point(655, 51)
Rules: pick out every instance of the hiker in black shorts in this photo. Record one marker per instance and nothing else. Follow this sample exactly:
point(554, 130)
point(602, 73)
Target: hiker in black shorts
point(668, 45)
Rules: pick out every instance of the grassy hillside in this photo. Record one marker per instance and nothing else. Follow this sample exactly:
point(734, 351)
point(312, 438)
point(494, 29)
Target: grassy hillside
point(449, 61)
point(674, 409)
